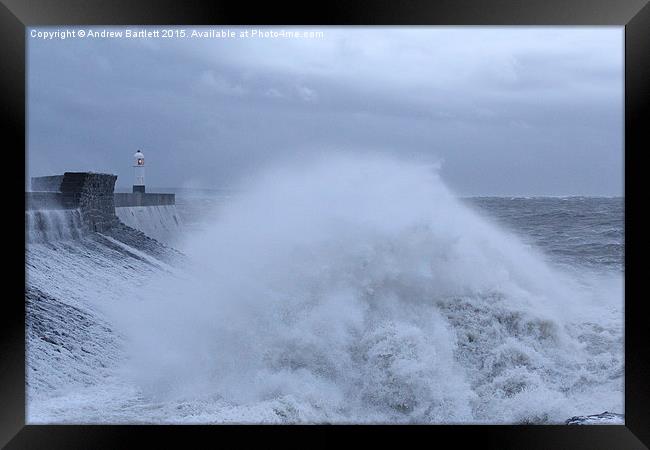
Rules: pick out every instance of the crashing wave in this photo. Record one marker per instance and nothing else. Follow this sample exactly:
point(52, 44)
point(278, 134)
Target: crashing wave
point(360, 291)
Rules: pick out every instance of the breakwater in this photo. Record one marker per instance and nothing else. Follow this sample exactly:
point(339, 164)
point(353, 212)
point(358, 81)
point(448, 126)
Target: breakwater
point(94, 206)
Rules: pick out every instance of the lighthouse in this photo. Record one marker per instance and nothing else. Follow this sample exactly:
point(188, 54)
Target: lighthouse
point(138, 171)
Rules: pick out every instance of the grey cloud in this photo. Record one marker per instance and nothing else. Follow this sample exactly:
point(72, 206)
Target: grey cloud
point(509, 110)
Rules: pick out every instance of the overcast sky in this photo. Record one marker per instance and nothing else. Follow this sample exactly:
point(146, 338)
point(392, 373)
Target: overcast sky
point(505, 110)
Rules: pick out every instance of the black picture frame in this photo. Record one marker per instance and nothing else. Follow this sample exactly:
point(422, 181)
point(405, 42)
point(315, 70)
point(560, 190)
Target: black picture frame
point(634, 15)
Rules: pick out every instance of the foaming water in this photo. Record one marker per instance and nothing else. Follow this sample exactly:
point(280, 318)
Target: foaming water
point(357, 290)
point(46, 225)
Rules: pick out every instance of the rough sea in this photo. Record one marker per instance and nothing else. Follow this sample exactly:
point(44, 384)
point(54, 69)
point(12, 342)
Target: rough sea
point(347, 292)
point(573, 231)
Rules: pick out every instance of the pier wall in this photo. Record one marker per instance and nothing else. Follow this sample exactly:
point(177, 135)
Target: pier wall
point(93, 194)
point(50, 184)
point(143, 199)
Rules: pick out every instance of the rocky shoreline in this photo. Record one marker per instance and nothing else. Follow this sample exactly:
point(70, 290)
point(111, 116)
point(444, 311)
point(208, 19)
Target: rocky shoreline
point(605, 418)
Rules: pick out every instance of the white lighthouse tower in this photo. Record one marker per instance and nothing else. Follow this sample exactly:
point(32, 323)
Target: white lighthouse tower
point(138, 169)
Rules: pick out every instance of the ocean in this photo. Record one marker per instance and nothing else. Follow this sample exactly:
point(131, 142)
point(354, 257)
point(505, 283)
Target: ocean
point(346, 292)
point(582, 231)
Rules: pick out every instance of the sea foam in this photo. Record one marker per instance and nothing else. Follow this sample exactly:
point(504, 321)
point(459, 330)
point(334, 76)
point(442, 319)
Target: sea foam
point(361, 290)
